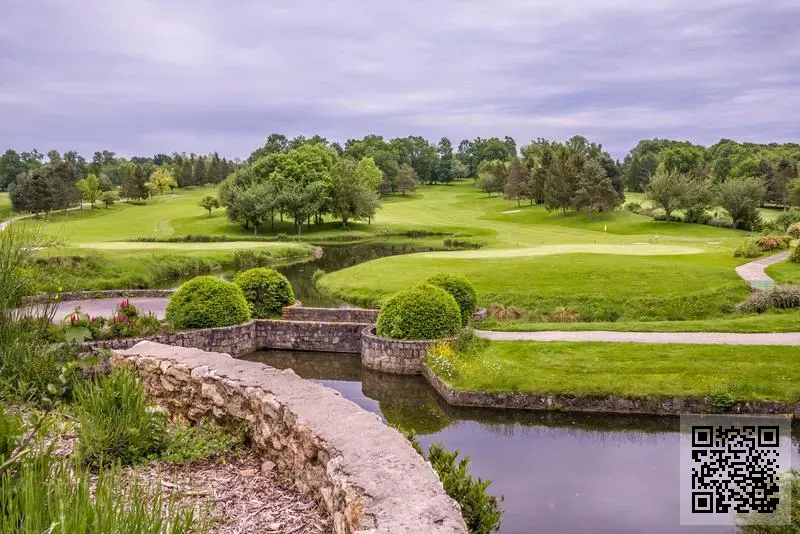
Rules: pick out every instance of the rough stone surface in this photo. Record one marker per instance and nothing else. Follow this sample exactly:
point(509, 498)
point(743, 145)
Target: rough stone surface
point(364, 473)
point(398, 356)
point(255, 335)
point(596, 403)
point(331, 315)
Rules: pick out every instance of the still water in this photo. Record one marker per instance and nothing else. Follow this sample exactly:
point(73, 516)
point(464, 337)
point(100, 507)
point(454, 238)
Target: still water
point(558, 472)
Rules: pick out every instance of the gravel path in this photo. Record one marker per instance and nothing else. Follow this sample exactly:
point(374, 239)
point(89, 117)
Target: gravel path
point(702, 338)
point(106, 307)
point(753, 272)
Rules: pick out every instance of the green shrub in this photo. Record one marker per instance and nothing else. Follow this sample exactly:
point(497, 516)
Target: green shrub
point(795, 255)
point(11, 433)
point(480, 510)
point(772, 242)
point(563, 314)
point(748, 249)
point(794, 230)
point(778, 297)
point(461, 289)
point(197, 442)
point(207, 302)
point(266, 290)
point(633, 207)
point(116, 422)
point(787, 218)
point(422, 312)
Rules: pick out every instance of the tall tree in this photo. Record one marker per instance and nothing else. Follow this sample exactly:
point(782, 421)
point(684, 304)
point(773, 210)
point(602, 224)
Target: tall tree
point(518, 183)
point(132, 181)
point(740, 197)
point(667, 190)
point(406, 179)
point(89, 188)
point(32, 191)
point(353, 188)
point(560, 179)
point(445, 170)
point(160, 180)
point(492, 176)
point(594, 190)
point(11, 166)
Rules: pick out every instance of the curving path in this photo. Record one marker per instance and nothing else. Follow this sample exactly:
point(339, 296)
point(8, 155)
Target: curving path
point(691, 338)
point(753, 272)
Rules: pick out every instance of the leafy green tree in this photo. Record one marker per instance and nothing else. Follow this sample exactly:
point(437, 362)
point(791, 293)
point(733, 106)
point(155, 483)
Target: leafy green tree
point(63, 178)
point(301, 202)
point(778, 188)
point(492, 176)
point(697, 199)
point(353, 189)
point(89, 188)
point(460, 170)
point(11, 166)
point(465, 156)
point(253, 205)
point(108, 198)
point(518, 183)
point(594, 190)
point(417, 152)
point(682, 159)
point(160, 181)
point(209, 202)
point(385, 155)
point(794, 193)
point(445, 170)
point(667, 190)
point(741, 197)
point(32, 191)
point(275, 144)
point(133, 178)
point(561, 178)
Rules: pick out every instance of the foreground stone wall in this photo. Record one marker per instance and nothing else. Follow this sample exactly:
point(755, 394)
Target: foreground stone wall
point(332, 315)
point(366, 474)
point(398, 356)
point(111, 294)
point(255, 335)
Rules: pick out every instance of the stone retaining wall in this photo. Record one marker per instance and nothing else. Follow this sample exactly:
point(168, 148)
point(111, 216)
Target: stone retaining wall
point(394, 355)
point(365, 474)
point(255, 335)
point(594, 403)
point(111, 294)
point(331, 315)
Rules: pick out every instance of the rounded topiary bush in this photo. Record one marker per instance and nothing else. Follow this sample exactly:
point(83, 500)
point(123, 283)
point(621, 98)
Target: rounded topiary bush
point(422, 312)
point(207, 302)
point(794, 230)
point(461, 289)
point(267, 291)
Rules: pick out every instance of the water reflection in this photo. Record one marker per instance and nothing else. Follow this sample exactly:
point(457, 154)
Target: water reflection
point(559, 472)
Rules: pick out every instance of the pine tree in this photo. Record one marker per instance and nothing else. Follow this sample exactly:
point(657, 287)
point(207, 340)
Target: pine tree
point(594, 191)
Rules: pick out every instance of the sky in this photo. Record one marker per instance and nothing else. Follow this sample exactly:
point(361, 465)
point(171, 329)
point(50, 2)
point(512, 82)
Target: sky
point(143, 77)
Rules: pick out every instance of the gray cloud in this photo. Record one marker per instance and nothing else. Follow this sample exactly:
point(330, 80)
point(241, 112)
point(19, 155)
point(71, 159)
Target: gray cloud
point(147, 76)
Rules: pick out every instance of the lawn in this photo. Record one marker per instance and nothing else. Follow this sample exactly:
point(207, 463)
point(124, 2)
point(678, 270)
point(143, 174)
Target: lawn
point(786, 272)
point(776, 321)
point(630, 369)
point(5, 206)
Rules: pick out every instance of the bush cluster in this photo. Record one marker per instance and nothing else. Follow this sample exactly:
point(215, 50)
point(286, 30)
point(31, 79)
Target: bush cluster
point(207, 302)
point(793, 231)
point(795, 255)
point(563, 314)
point(753, 248)
point(462, 244)
point(125, 322)
point(778, 297)
point(266, 290)
point(772, 242)
point(461, 289)
point(421, 312)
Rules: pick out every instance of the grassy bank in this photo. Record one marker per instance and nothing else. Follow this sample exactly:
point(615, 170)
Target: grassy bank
point(629, 369)
point(76, 269)
point(5, 206)
point(786, 272)
point(767, 322)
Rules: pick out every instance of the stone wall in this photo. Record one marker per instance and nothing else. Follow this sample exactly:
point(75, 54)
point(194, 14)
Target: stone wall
point(111, 294)
point(399, 356)
point(599, 403)
point(365, 474)
point(331, 315)
point(255, 335)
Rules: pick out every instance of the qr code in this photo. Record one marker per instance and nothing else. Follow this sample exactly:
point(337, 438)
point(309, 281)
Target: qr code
point(735, 467)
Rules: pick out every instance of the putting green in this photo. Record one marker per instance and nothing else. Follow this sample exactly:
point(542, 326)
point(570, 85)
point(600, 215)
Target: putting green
point(175, 247)
point(643, 249)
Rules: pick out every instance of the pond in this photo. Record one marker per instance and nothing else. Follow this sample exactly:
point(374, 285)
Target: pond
point(558, 472)
point(334, 257)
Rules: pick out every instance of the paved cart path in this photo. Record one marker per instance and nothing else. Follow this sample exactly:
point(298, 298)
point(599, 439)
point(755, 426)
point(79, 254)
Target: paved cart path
point(753, 273)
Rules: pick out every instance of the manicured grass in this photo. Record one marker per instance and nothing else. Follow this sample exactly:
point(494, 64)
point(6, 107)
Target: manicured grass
point(5, 206)
point(786, 272)
point(630, 369)
point(597, 286)
point(767, 322)
point(85, 269)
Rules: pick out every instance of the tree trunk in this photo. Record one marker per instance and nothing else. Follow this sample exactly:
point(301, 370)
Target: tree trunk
point(518, 204)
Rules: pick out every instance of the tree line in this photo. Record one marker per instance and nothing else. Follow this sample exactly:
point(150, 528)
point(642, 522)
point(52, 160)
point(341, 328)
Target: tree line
point(36, 184)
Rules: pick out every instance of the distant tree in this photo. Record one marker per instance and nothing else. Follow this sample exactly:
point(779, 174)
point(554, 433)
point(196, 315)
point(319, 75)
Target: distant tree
point(492, 176)
point(406, 179)
point(89, 188)
point(511, 146)
point(253, 205)
point(385, 187)
point(108, 198)
point(275, 144)
point(465, 156)
point(560, 179)
point(741, 197)
point(518, 183)
point(594, 190)
point(11, 166)
point(353, 188)
point(667, 190)
point(697, 198)
point(209, 202)
point(387, 157)
point(32, 191)
point(794, 193)
point(778, 188)
point(199, 174)
point(301, 201)
point(682, 159)
point(132, 180)
point(160, 181)
point(460, 170)
point(445, 170)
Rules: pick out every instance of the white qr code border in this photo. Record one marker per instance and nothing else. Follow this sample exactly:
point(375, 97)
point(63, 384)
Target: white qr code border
point(715, 473)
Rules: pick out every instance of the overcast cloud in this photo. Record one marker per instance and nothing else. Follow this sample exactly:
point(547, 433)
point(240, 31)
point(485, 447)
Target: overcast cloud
point(141, 77)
